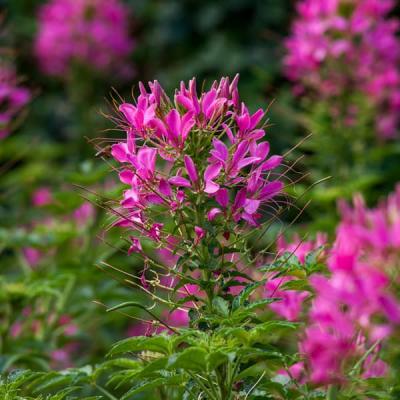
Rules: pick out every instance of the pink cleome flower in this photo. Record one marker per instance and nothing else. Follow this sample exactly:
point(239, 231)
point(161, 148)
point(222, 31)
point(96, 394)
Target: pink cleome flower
point(233, 173)
point(291, 301)
point(94, 33)
point(42, 197)
point(354, 309)
point(348, 46)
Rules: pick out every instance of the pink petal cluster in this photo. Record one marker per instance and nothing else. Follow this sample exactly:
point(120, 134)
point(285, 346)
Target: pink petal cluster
point(354, 309)
point(62, 358)
point(94, 33)
point(375, 232)
point(42, 197)
point(348, 46)
point(208, 146)
point(13, 98)
point(291, 301)
point(83, 214)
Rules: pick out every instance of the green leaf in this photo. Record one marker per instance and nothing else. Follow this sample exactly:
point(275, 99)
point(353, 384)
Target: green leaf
point(50, 381)
point(262, 333)
point(259, 304)
point(297, 284)
point(192, 358)
point(239, 333)
point(124, 363)
point(158, 344)
point(245, 294)
point(221, 306)
point(174, 380)
point(217, 358)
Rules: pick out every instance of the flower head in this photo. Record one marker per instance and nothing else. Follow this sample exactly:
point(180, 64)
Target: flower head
point(202, 154)
point(355, 309)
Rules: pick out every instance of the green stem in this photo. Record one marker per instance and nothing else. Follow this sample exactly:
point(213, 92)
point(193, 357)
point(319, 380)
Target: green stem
point(213, 389)
point(204, 387)
point(209, 291)
point(223, 382)
point(233, 369)
point(332, 393)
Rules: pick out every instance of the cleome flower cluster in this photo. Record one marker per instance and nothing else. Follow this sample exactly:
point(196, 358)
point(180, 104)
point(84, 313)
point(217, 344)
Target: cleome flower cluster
point(93, 33)
point(201, 160)
point(354, 311)
point(348, 46)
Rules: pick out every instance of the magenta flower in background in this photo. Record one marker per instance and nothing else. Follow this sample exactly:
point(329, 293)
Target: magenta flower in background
point(13, 98)
point(355, 308)
point(348, 46)
point(81, 218)
point(94, 33)
point(290, 304)
point(30, 325)
point(42, 197)
point(374, 232)
point(32, 256)
point(84, 214)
